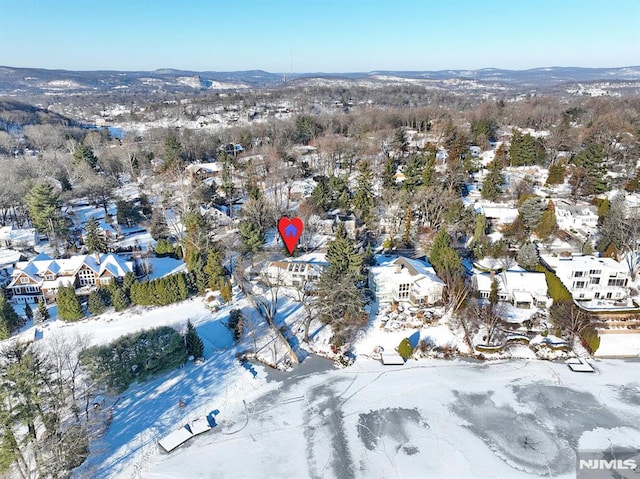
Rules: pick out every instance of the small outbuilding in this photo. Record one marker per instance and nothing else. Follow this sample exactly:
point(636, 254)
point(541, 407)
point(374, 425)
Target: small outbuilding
point(392, 359)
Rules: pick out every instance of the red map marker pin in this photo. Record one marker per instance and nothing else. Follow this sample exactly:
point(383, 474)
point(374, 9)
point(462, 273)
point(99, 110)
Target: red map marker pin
point(290, 231)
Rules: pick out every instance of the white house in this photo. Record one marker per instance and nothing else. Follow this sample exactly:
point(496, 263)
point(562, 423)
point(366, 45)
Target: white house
point(41, 277)
point(498, 214)
point(295, 272)
point(576, 216)
point(523, 289)
point(589, 277)
point(396, 278)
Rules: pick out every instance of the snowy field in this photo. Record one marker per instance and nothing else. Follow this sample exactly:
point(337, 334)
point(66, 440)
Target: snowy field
point(429, 418)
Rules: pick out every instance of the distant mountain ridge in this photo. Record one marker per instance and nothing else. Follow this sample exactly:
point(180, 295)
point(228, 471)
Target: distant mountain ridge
point(30, 81)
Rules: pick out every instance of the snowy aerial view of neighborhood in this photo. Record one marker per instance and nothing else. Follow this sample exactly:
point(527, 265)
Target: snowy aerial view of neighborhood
point(420, 261)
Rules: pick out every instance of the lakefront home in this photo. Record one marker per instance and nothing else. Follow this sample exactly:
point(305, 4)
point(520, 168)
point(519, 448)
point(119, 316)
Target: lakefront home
point(41, 277)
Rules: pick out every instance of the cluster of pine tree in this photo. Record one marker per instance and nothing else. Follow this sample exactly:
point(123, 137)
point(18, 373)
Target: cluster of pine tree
point(164, 248)
point(160, 291)
point(526, 150)
point(135, 357)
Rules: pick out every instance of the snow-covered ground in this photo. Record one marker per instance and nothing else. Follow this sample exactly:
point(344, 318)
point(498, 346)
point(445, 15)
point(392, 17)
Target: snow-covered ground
point(458, 418)
point(430, 418)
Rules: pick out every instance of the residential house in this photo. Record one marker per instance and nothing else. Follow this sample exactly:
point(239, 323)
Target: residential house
point(497, 214)
point(576, 216)
point(202, 171)
point(405, 280)
point(296, 272)
point(590, 277)
point(8, 260)
point(301, 189)
point(41, 277)
point(523, 289)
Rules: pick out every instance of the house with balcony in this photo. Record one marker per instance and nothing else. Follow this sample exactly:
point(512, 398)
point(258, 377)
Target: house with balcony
point(405, 280)
point(41, 277)
point(523, 289)
point(590, 277)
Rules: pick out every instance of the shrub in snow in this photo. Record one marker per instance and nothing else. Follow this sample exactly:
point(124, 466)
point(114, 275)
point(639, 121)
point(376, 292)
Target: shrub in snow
point(405, 350)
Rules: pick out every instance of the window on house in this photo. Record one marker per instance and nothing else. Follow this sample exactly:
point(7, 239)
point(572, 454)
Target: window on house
point(86, 277)
point(597, 296)
point(50, 277)
point(595, 272)
point(403, 291)
point(577, 274)
point(616, 282)
point(594, 281)
point(578, 285)
point(609, 295)
point(24, 280)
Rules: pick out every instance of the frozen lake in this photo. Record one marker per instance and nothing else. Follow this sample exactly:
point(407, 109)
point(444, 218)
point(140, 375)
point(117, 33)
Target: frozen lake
point(432, 418)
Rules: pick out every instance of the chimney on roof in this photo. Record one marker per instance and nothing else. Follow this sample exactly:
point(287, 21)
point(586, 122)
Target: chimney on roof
point(492, 274)
point(97, 256)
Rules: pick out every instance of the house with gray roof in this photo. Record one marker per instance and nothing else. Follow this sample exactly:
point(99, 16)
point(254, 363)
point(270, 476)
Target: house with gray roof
point(41, 277)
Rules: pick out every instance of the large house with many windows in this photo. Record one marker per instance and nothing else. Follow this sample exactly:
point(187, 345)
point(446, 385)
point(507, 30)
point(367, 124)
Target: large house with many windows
point(405, 280)
point(41, 277)
point(590, 277)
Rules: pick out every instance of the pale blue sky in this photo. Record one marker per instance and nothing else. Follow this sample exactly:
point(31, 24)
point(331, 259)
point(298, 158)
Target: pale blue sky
point(320, 35)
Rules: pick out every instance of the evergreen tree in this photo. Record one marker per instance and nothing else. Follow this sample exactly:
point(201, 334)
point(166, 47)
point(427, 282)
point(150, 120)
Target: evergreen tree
point(408, 219)
point(556, 174)
point(547, 226)
point(128, 213)
point(429, 172)
point(68, 304)
point(236, 323)
point(441, 242)
point(182, 286)
point(213, 267)
point(28, 312)
point(413, 172)
point(226, 292)
point(173, 154)
point(251, 235)
point(389, 174)
point(493, 293)
point(321, 195)
point(531, 211)
point(196, 238)
point(525, 150)
point(42, 312)
point(119, 299)
point(94, 240)
point(9, 319)
point(84, 154)
point(159, 229)
point(527, 256)
point(342, 256)
point(590, 179)
point(193, 342)
point(363, 198)
point(400, 142)
point(492, 182)
point(95, 303)
point(42, 202)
